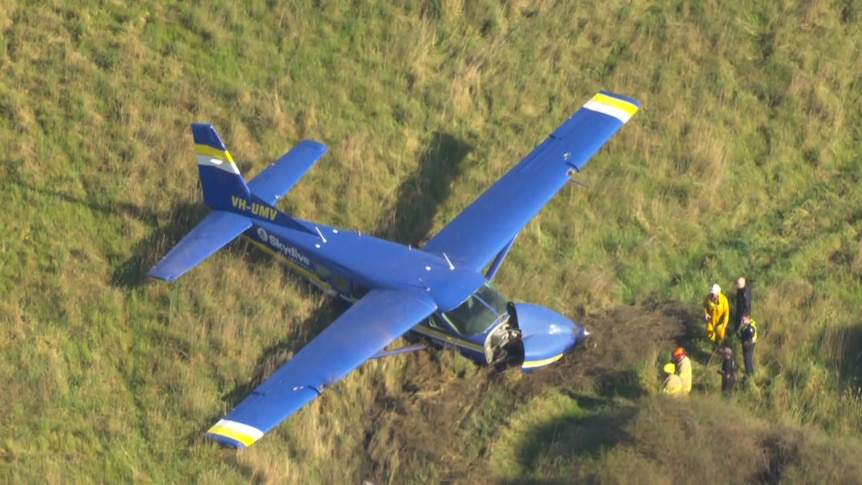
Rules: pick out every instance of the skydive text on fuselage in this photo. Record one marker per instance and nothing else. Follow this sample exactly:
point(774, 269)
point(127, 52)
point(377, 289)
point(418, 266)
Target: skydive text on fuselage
point(259, 210)
point(285, 250)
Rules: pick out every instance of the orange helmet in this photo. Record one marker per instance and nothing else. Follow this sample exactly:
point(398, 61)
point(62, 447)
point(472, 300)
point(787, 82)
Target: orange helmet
point(678, 353)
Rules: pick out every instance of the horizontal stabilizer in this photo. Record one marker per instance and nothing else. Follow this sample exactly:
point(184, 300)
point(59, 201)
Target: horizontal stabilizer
point(216, 230)
point(274, 181)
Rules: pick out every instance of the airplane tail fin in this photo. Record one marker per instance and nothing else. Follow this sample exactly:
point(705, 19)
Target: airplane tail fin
point(234, 205)
point(220, 177)
point(225, 189)
point(221, 183)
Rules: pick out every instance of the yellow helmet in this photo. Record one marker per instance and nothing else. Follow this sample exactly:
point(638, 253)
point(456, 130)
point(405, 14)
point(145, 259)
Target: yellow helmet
point(670, 368)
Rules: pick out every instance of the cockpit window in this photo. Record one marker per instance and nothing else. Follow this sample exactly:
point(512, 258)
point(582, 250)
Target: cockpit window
point(492, 297)
point(478, 312)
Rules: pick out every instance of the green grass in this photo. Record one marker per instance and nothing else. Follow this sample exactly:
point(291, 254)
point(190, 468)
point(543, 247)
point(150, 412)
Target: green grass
point(744, 160)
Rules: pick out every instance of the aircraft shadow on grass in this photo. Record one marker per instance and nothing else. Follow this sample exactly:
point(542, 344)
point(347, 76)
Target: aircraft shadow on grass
point(133, 272)
point(149, 217)
point(409, 220)
point(844, 344)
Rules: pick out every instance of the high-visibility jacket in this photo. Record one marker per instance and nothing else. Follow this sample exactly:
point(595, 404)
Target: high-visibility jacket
point(748, 332)
point(718, 313)
point(683, 367)
point(673, 386)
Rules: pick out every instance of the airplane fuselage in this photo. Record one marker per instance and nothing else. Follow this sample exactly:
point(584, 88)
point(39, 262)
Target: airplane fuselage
point(347, 264)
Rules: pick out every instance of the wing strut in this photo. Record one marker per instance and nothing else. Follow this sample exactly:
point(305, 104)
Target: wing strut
point(498, 260)
point(400, 350)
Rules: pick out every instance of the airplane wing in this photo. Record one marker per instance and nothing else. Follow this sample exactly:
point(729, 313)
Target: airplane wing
point(488, 225)
point(364, 329)
point(215, 230)
point(279, 177)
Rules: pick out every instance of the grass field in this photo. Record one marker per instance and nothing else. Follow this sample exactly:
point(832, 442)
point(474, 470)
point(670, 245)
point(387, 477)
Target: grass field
point(745, 159)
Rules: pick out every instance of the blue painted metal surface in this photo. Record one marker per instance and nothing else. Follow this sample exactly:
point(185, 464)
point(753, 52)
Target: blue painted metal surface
point(211, 234)
point(274, 181)
point(547, 335)
point(395, 288)
point(371, 261)
point(483, 229)
point(225, 189)
point(354, 337)
point(220, 178)
point(498, 260)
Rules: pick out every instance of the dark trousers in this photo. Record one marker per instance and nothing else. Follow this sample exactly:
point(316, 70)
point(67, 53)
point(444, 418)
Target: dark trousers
point(748, 355)
point(727, 385)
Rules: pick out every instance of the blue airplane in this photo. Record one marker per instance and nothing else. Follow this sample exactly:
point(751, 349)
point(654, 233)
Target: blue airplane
point(441, 291)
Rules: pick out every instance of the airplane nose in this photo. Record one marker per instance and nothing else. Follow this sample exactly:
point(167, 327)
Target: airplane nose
point(547, 335)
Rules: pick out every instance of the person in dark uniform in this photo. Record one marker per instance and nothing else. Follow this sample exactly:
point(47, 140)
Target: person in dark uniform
point(728, 372)
point(743, 303)
point(748, 336)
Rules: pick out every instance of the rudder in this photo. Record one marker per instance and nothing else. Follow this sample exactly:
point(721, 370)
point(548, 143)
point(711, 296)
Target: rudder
point(220, 177)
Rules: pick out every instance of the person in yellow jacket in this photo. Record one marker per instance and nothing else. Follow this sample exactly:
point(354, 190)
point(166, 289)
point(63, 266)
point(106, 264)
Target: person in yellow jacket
point(716, 310)
point(683, 367)
point(673, 384)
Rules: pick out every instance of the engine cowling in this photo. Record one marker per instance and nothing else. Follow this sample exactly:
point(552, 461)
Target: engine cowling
point(546, 334)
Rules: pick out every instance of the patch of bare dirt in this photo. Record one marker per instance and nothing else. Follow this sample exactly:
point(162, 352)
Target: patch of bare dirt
point(448, 420)
point(619, 339)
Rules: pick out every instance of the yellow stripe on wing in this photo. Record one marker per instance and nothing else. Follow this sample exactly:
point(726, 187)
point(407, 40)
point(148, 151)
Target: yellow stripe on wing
point(213, 152)
point(611, 106)
point(238, 432)
point(622, 104)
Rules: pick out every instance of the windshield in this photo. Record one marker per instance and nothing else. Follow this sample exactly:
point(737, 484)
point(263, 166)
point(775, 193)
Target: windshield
point(493, 298)
point(478, 312)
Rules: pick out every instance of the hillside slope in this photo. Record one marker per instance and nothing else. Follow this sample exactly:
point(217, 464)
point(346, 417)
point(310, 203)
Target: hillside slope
point(744, 160)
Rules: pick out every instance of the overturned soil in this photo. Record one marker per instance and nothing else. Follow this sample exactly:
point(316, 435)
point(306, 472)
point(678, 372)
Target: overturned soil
point(425, 421)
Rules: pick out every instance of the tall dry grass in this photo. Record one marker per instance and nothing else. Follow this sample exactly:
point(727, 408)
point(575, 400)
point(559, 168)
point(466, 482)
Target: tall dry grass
point(743, 160)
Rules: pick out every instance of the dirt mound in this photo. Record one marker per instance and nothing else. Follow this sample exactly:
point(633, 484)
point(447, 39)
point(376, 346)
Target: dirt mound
point(619, 339)
point(424, 422)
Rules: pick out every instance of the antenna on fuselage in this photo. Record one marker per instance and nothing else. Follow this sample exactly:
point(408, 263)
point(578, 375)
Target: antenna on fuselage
point(451, 266)
point(320, 234)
